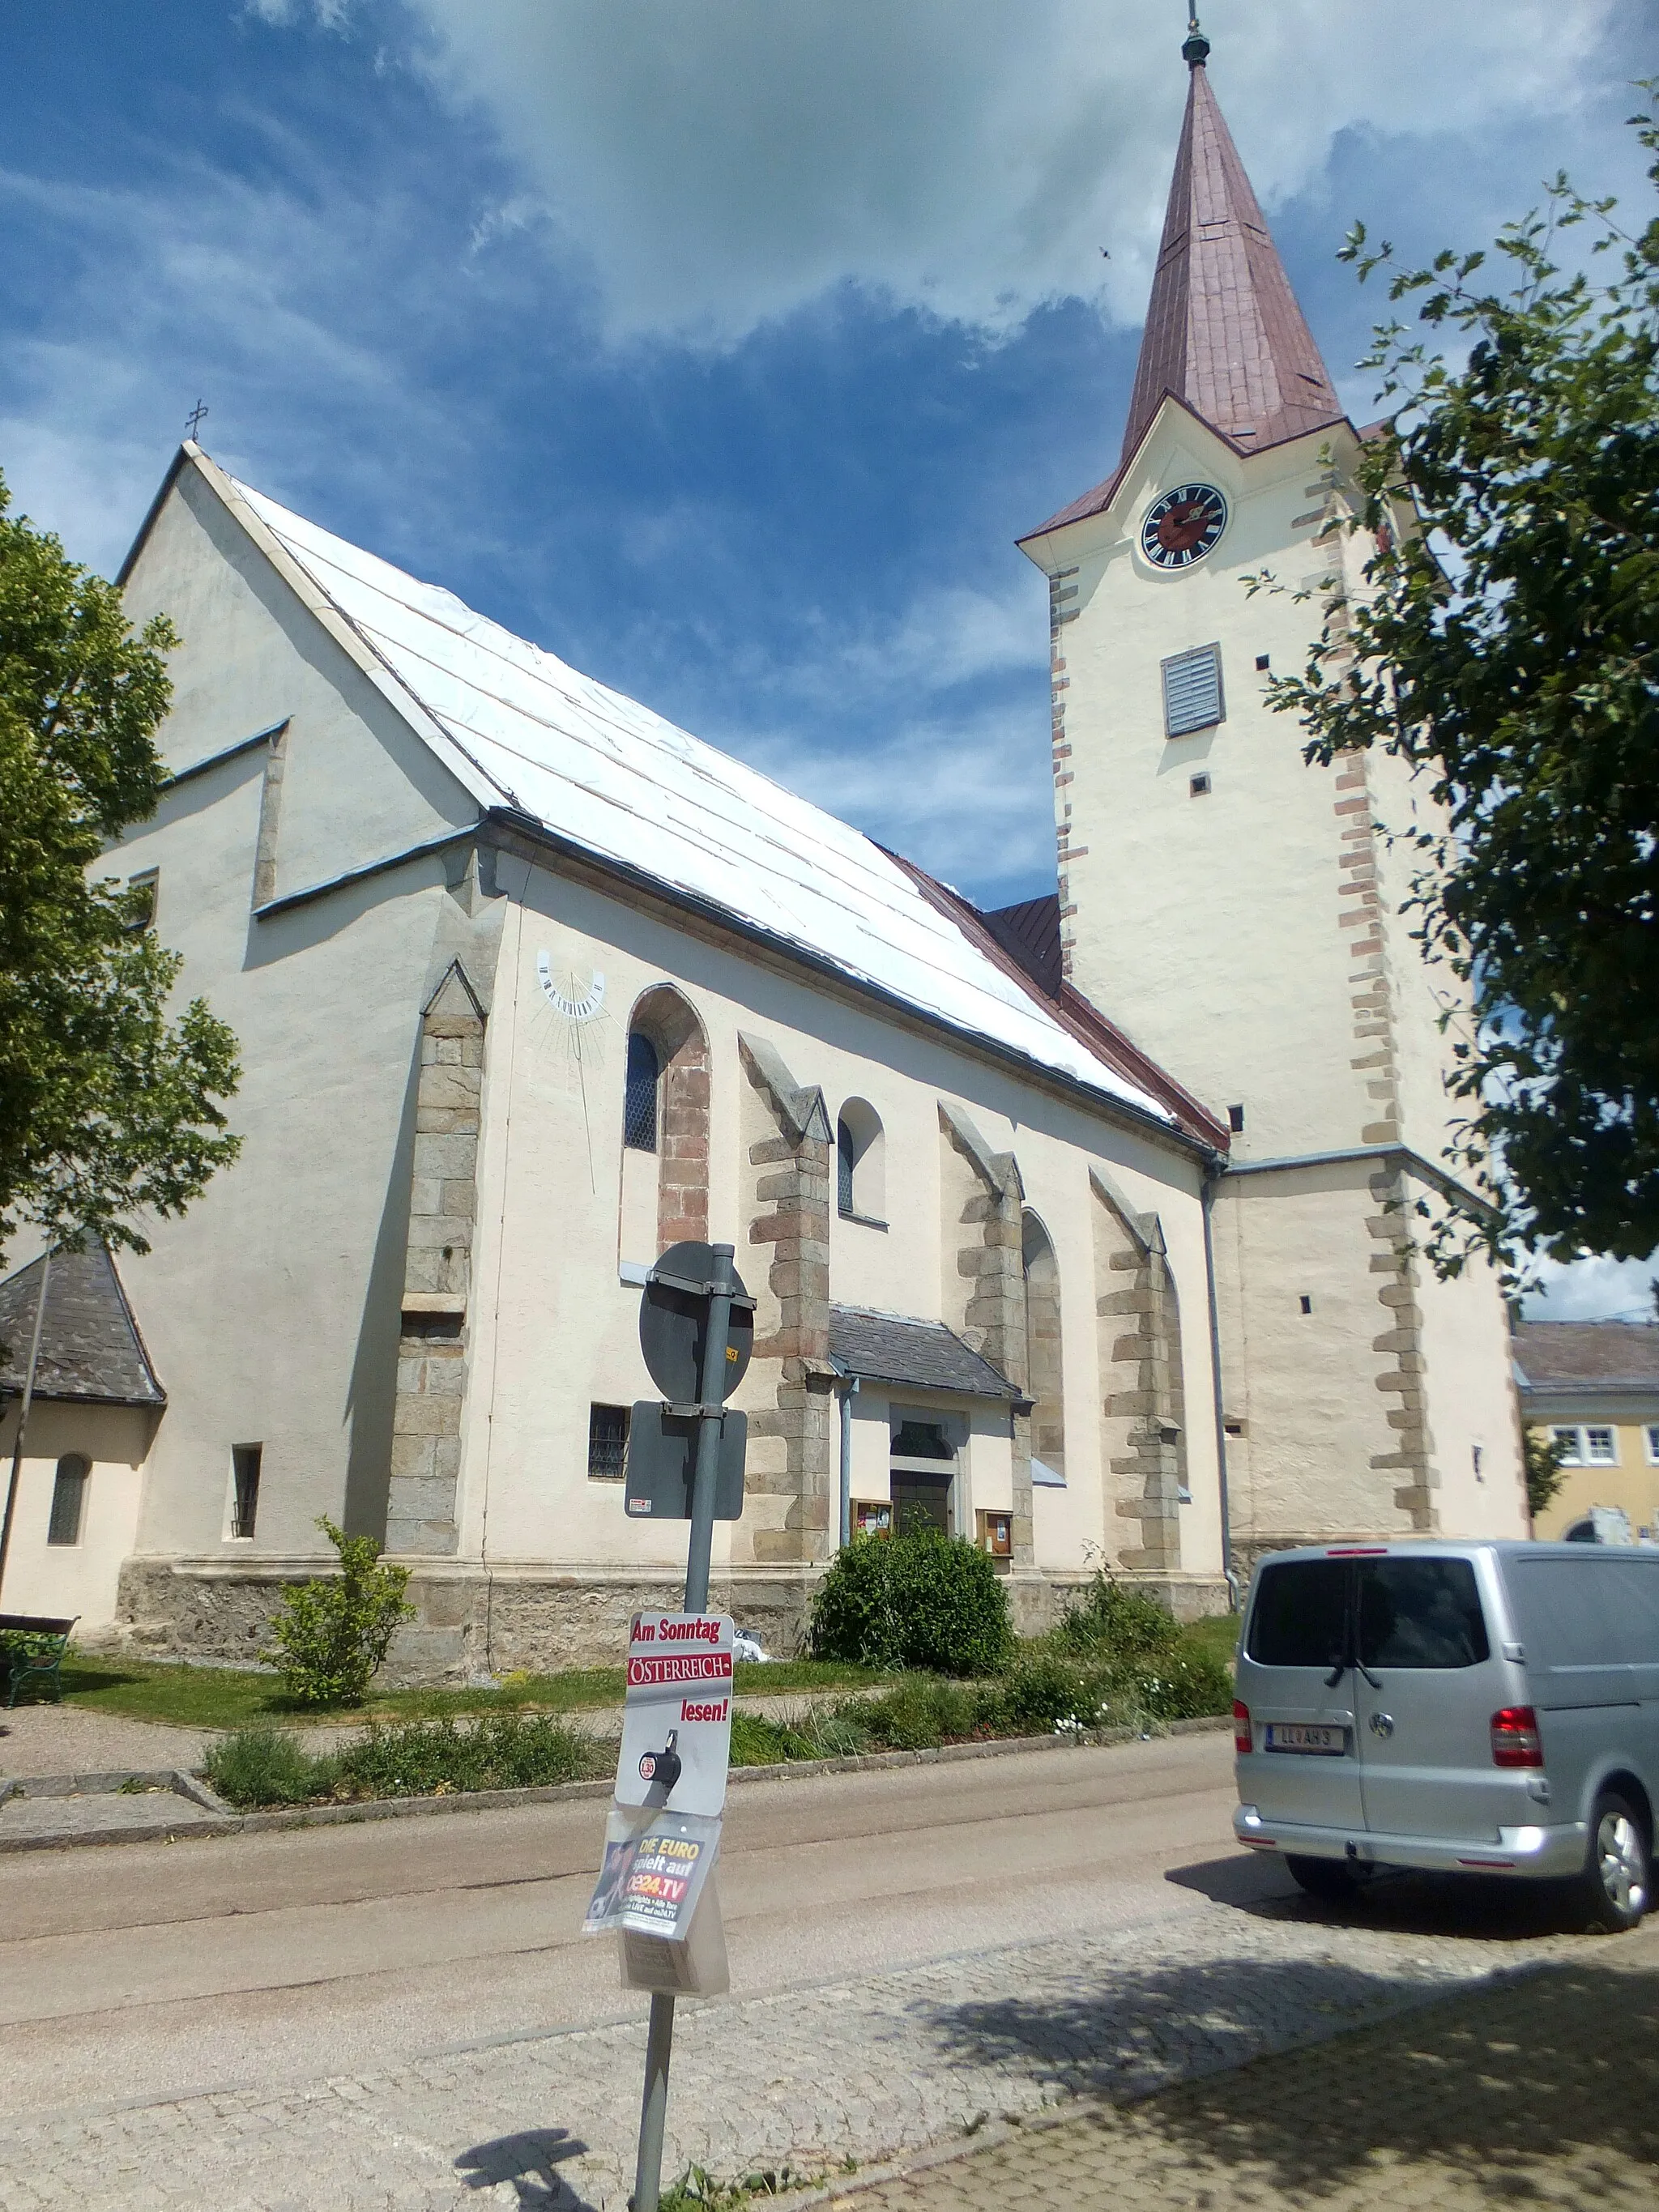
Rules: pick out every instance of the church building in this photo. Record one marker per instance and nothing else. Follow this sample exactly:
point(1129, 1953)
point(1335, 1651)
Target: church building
point(1079, 1228)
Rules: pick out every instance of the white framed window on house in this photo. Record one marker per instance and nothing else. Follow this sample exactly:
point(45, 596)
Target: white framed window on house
point(1594, 1444)
point(68, 1499)
point(1192, 691)
point(1650, 1433)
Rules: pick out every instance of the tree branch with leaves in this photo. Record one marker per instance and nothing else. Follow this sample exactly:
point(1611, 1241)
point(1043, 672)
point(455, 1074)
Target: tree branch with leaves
point(110, 1108)
point(1506, 643)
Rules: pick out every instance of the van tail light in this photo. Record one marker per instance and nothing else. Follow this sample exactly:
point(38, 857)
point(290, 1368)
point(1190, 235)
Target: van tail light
point(1515, 1737)
point(1243, 1741)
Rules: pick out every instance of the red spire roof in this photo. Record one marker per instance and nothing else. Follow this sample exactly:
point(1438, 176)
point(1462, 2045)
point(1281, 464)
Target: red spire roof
point(1223, 332)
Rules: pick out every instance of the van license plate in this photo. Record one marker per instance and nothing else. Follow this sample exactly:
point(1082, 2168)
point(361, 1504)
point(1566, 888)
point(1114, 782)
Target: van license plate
point(1304, 1736)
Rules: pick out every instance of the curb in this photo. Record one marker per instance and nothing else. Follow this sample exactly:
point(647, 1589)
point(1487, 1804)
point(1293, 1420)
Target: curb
point(222, 1821)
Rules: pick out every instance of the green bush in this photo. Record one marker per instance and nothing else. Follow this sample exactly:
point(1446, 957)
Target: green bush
point(1109, 1622)
point(416, 1759)
point(909, 1602)
point(266, 1766)
point(333, 1632)
point(504, 1751)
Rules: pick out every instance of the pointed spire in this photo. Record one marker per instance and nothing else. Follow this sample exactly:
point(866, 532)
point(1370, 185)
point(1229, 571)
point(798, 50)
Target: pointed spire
point(1224, 331)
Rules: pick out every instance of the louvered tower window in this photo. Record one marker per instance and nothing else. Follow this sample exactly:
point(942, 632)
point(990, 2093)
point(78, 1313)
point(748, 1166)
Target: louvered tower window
point(1192, 691)
point(640, 1100)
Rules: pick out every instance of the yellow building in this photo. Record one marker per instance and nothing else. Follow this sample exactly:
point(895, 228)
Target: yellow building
point(1594, 1386)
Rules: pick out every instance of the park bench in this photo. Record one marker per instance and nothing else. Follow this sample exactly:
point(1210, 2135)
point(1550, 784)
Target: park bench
point(32, 1645)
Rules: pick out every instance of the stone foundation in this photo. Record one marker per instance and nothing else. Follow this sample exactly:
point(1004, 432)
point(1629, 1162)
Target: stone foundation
point(469, 1622)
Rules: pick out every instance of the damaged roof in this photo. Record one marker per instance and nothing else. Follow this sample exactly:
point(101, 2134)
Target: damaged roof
point(90, 1347)
point(522, 730)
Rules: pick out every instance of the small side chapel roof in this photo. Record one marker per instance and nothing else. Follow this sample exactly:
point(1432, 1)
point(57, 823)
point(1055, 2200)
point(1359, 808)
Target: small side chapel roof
point(522, 730)
point(90, 1347)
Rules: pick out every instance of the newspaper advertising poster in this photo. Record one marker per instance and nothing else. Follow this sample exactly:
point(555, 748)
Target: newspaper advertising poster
point(654, 1870)
point(676, 1718)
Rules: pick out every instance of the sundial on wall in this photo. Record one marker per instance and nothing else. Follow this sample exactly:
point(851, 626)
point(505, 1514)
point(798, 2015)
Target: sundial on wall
point(576, 1004)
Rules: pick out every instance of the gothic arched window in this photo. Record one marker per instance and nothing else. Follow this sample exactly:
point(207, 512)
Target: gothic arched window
point(860, 1192)
point(640, 1097)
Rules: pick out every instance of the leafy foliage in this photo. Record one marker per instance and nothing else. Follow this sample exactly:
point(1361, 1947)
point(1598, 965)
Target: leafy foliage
point(332, 1633)
point(107, 1108)
point(260, 1766)
point(1544, 1473)
point(1507, 643)
point(915, 1600)
point(1110, 1620)
point(506, 1751)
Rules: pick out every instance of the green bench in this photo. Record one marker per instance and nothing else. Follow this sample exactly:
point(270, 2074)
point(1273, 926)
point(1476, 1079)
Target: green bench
point(32, 1648)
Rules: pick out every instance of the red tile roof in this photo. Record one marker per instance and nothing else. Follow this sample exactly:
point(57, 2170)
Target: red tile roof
point(1223, 332)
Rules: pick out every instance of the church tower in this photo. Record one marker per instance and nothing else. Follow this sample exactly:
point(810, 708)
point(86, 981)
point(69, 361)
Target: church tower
point(1237, 911)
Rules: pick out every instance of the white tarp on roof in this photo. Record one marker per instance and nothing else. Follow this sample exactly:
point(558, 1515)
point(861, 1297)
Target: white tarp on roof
point(616, 779)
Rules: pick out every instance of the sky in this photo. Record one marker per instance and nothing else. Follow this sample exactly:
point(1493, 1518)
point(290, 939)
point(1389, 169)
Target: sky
point(723, 347)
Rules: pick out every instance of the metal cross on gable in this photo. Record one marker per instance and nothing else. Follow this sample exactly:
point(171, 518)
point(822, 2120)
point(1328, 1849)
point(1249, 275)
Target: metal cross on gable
point(192, 421)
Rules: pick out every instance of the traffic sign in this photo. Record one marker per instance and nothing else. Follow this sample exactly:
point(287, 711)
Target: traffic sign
point(674, 1316)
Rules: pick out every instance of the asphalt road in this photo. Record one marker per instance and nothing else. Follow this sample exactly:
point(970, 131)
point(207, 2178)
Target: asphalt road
point(144, 1971)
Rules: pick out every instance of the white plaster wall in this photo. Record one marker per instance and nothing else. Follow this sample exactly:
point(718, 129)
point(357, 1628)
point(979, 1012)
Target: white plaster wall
point(1305, 1384)
point(1207, 926)
point(270, 1309)
point(358, 784)
point(554, 1326)
point(64, 1581)
point(1473, 1401)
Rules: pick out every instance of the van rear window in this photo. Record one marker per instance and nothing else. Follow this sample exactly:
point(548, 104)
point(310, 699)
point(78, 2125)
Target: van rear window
point(1420, 1613)
point(1299, 1615)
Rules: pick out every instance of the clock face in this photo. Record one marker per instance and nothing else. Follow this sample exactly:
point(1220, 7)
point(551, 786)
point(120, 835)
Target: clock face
point(1182, 525)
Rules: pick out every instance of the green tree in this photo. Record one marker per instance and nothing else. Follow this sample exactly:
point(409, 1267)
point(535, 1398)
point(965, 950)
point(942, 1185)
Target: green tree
point(1507, 643)
point(332, 1633)
point(108, 1108)
point(1544, 1473)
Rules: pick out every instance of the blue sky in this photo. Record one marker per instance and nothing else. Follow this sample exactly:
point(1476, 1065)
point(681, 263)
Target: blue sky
point(722, 346)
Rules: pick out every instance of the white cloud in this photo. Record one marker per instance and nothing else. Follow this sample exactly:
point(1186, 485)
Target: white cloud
point(721, 164)
point(1595, 1290)
point(965, 796)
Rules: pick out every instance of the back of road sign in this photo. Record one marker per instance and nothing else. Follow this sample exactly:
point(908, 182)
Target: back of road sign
point(662, 1463)
point(674, 1325)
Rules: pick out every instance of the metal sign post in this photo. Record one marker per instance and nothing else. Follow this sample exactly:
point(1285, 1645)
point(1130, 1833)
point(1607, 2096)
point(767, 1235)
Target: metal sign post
point(719, 1376)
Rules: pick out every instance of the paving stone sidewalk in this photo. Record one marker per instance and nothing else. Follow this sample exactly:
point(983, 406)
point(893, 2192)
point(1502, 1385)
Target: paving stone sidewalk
point(860, 2071)
point(1541, 2092)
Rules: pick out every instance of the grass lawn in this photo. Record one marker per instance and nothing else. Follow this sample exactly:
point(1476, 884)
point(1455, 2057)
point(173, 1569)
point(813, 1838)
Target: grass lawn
point(1217, 1636)
point(222, 1698)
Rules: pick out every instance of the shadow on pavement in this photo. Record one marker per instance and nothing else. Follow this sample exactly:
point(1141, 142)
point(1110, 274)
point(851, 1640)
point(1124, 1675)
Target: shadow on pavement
point(529, 2161)
point(1405, 1904)
point(1556, 2068)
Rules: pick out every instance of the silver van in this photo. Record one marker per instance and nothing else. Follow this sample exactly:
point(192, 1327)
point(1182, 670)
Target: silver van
point(1463, 1707)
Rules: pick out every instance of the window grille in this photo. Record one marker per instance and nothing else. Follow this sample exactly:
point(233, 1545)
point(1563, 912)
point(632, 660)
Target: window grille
point(245, 1502)
point(607, 1442)
point(1572, 1454)
point(1600, 1449)
point(845, 1162)
point(69, 1492)
point(1192, 691)
point(640, 1098)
